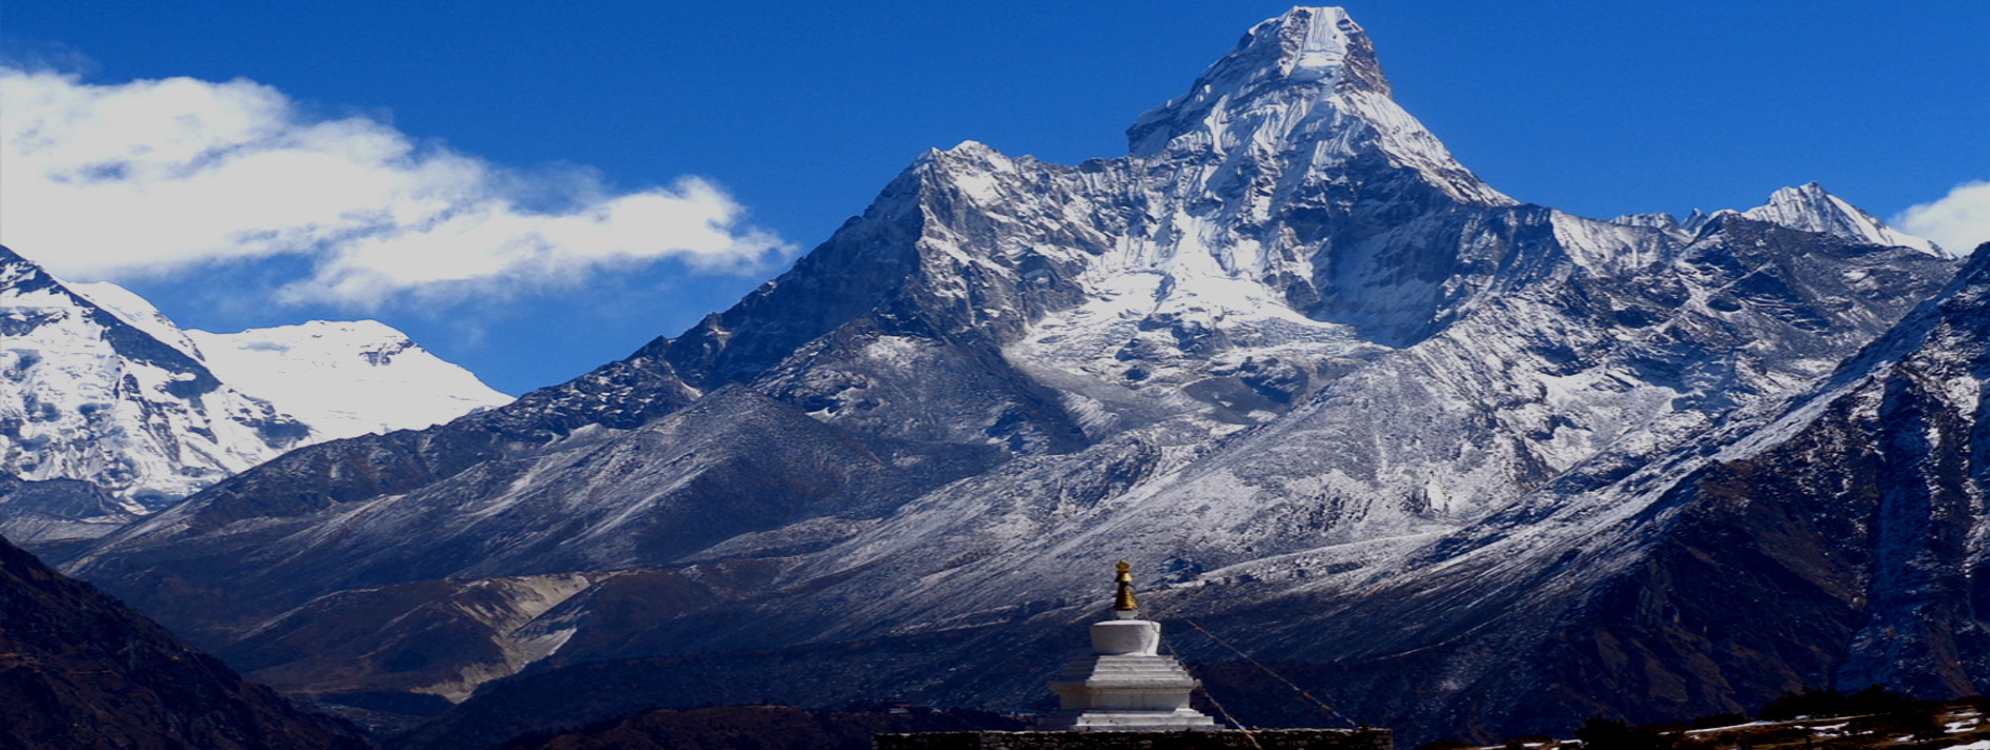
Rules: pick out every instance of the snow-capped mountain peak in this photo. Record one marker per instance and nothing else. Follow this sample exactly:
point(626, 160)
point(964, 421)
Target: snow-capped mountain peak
point(1811, 208)
point(346, 378)
point(133, 309)
point(1286, 345)
point(108, 392)
point(1311, 44)
point(1306, 88)
point(342, 378)
point(1807, 208)
point(96, 384)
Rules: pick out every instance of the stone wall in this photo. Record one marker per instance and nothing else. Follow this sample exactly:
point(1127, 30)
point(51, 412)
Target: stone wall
point(1267, 739)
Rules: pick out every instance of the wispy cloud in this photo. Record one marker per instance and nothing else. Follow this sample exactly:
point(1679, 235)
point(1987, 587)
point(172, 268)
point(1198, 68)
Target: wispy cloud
point(115, 180)
point(1958, 221)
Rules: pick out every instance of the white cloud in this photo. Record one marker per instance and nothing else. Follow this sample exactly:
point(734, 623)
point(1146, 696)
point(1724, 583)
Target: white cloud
point(115, 180)
point(1958, 221)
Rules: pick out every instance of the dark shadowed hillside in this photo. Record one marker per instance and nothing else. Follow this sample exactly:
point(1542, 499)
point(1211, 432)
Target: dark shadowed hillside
point(79, 670)
point(760, 728)
point(1466, 465)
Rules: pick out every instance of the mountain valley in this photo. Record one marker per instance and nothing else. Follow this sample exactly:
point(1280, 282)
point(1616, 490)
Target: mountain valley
point(1469, 466)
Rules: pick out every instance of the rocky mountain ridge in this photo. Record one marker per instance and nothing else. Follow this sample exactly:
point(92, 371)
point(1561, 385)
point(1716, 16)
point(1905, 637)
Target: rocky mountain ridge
point(1846, 519)
point(101, 387)
point(58, 515)
point(1287, 354)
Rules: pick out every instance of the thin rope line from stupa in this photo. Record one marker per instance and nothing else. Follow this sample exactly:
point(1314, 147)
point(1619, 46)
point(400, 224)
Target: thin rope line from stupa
point(1125, 601)
point(1124, 594)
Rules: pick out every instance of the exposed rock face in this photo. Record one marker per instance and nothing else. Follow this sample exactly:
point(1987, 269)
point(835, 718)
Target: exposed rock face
point(1287, 352)
point(77, 669)
point(1833, 539)
point(58, 515)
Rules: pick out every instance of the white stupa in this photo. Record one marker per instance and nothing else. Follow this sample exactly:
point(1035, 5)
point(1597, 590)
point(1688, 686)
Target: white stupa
point(1125, 684)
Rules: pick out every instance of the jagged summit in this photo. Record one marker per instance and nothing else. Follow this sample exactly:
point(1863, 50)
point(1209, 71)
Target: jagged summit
point(1323, 42)
point(1811, 208)
point(1304, 88)
point(1320, 44)
point(1808, 208)
point(1286, 345)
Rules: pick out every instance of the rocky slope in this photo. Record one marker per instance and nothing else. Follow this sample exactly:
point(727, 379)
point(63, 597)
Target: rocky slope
point(1830, 540)
point(77, 669)
point(101, 387)
point(58, 516)
point(1286, 344)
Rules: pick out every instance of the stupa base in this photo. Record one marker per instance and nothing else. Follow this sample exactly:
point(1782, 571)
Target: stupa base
point(1127, 721)
point(1217, 739)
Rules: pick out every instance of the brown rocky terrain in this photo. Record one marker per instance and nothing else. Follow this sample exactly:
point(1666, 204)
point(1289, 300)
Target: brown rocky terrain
point(80, 670)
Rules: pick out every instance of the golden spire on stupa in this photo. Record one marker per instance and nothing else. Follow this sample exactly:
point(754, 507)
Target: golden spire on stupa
point(1123, 601)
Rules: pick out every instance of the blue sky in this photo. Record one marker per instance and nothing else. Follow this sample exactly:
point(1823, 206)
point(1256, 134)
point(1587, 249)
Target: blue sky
point(801, 112)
